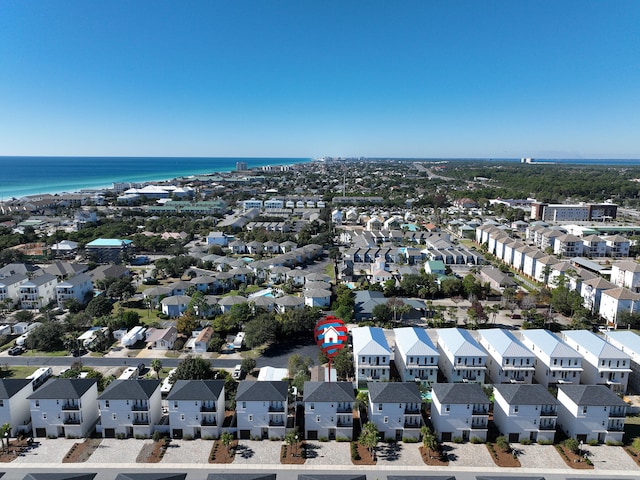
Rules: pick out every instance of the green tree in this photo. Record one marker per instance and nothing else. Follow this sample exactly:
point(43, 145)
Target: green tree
point(248, 365)
point(46, 337)
point(291, 438)
point(298, 363)
point(156, 366)
point(5, 430)
point(382, 313)
point(429, 439)
point(193, 368)
point(343, 363)
point(187, 322)
point(369, 438)
point(226, 438)
point(262, 329)
point(99, 307)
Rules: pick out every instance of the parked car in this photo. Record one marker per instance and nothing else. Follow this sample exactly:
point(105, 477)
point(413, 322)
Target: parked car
point(17, 350)
point(237, 372)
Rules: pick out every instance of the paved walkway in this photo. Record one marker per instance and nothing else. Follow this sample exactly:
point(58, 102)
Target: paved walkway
point(611, 458)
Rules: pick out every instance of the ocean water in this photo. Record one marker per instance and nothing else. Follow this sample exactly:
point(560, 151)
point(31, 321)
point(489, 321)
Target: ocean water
point(21, 176)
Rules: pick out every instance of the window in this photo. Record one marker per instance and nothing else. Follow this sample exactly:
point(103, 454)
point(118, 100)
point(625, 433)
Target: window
point(515, 408)
point(250, 418)
point(584, 410)
point(182, 417)
point(37, 403)
point(244, 404)
point(317, 418)
point(447, 408)
point(379, 407)
point(44, 416)
point(312, 406)
point(175, 404)
point(386, 419)
point(114, 416)
point(1, 403)
point(106, 404)
point(506, 361)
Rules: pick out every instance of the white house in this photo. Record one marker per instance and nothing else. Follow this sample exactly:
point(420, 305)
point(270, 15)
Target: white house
point(603, 363)
point(130, 408)
point(629, 343)
point(509, 361)
point(626, 274)
point(14, 406)
point(74, 288)
point(10, 287)
point(38, 291)
point(161, 338)
point(176, 305)
point(395, 408)
point(525, 411)
point(261, 409)
point(415, 356)
point(617, 246)
point(64, 407)
point(459, 410)
point(328, 410)
point(317, 298)
point(616, 301)
point(196, 408)
point(556, 362)
point(371, 355)
point(591, 412)
point(462, 359)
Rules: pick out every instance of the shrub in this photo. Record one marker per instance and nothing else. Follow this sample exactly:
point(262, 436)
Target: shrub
point(275, 439)
point(476, 440)
point(593, 442)
point(613, 443)
point(157, 436)
point(323, 439)
point(544, 441)
point(636, 444)
point(354, 451)
point(390, 440)
point(185, 437)
point(342, 439)
point(409, 440)
point(503, 444)
point(525, 441)
point(456, 439)
point(572, 445)
point(121, 436)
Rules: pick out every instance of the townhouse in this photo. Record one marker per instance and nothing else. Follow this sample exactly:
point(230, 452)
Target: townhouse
point(509, 361)
point(196, 408)
point(38, 291)
point(591, 412)
point(618, 300)
point(75, 288)
point(415, 356)
point(556, 362)
point(525, 412)
point(328, 410)
point(603, 364)
point(64, 407)
point(629, 343)
point(459, 410)
point(130, 408)
point(371, 355)
point(262, 409)
point(462, 359)
point(396, 409)
point(10, 288)
point(626, 274)
point(14, 404)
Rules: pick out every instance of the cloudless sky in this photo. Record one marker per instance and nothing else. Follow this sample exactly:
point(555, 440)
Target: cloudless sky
point(444, 78)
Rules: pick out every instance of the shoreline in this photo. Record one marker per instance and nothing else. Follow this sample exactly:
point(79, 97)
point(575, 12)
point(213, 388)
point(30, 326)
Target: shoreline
point(11, 192)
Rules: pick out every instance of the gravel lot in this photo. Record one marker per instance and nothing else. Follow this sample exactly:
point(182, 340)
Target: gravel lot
point(112, 450)
point(406, 454)
point(469, 455)
point(322, 453)
point(537, 456)
point(263, 452)
point(188, 451)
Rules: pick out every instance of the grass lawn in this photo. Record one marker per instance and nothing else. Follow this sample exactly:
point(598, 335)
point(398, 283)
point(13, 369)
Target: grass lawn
point(17, 372)
point(38, 353)
point(631, 429)
point(329, 271)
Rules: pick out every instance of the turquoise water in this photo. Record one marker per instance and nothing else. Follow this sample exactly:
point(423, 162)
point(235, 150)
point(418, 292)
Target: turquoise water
point(22, 176)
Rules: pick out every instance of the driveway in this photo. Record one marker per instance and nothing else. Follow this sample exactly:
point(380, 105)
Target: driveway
point(399, 453)
point(188, 451)
point(265, 452)
point(46, 450)
point(324, 453)
point(112, 450)
point(468, 455)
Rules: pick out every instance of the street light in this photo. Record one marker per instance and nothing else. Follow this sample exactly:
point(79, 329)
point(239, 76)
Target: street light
point(296, 437)
point(6, 438)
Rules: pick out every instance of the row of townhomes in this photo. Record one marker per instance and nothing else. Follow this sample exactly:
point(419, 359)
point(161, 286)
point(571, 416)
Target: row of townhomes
point(550, 254)
point(264, 410)
point(495, 356)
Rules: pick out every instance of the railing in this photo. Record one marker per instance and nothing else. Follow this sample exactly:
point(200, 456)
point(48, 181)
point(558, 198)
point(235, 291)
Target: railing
point(548, 413)
point(411, 425)
point(615, 428)
point(617, 414)
point(345, 409)
point(479, 426)
point(412, 409)
point(276, 423)
point(70, 406)
point(276, 408)
point(208, 422)
point(480, 411)
point(208, 408)
point(344, 423)
point(71, 421)
point(139, 408)
point(140, 421)
point(547, 426)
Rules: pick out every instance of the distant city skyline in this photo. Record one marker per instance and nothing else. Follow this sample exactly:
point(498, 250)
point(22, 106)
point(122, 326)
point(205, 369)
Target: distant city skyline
point(341, 78)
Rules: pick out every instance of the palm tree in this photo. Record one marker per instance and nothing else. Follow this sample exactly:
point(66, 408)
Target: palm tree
point(369, 438)
point(429, 439)
point(156, 366)
point(226, 438)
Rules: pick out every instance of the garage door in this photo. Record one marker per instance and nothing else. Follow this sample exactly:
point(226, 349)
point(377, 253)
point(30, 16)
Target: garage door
point(446, 436)
point(109, 433)
point(245, 434)
point(41, 432)
point(312, 435)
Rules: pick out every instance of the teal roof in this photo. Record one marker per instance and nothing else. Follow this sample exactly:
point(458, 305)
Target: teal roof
point(108, 242)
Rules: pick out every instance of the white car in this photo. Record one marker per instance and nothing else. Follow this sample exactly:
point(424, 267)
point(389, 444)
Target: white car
point(237, 372)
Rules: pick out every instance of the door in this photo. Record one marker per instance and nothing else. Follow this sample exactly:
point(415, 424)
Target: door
point(109, 433)
point(265, 433)
point(312, 435)
point(514, 437)
point(41, 432)
point(446, 436)
point(61, 432)
point(177, 433)
point(398, 434)
point(245, 434)
point(332, 434)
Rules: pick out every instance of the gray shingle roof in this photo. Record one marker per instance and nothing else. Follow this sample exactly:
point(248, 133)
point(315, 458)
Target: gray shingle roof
point(591, 395)
point(458, 393)
point(394, 392)
point(249, 391)
point(58, 388)
point(10, 386)
point(525, 394)
point(328, 392)
point(130, 390)
point(196, 390)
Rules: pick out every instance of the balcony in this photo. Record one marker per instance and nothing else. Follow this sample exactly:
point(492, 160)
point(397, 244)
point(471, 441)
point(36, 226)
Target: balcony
point(412, 409)
point(140, 421)
point(547, 426)
point(479, 426)
point(480, 411)
point(278, 422)
point(208, 422)
point(615, 428)
point(276, 408)
point(70, 406)
point(345, 409)
point(548, 412)
point(344, 423)
point(617, 414)
point(208, 408)
point(71, 421)
point(139, 408)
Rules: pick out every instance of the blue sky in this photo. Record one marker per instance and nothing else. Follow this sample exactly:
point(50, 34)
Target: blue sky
point(547, 79)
